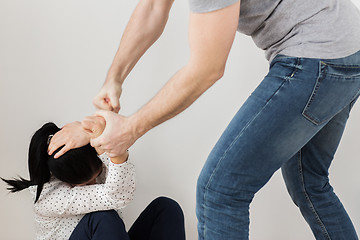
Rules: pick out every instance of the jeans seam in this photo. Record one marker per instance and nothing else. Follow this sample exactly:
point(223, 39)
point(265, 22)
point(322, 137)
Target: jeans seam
point(305, 113)
point(310, 204)
point(340, 65)
point(352, 103)
point(297, 67)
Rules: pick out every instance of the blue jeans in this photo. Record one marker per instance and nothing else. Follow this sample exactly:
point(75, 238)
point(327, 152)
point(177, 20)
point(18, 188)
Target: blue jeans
point(293, 120)
point(162, 219)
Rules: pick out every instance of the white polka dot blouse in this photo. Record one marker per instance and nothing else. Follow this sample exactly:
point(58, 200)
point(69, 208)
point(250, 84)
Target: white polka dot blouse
point(60, 207)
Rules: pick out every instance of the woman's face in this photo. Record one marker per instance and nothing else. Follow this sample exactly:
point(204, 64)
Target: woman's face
point(91, 181)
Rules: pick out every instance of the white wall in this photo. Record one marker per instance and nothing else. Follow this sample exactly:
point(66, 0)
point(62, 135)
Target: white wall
point(53, 59)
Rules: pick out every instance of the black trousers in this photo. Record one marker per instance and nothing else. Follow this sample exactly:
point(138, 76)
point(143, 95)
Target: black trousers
point(162, 219)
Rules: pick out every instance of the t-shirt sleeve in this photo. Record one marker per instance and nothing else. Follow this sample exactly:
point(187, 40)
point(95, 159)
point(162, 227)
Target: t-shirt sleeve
point(202, 6)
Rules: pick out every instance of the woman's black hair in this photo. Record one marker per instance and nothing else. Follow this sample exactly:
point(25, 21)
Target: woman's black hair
point(76, 166)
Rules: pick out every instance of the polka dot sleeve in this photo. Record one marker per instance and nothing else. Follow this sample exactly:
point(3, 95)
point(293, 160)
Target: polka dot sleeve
point(116, 192)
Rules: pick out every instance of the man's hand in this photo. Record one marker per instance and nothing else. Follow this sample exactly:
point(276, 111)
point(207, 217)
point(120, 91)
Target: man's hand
point(117, 136)
point(95, 125)
point(145, 26)
point(211, 36)
point(71, 136)
point(108, 97)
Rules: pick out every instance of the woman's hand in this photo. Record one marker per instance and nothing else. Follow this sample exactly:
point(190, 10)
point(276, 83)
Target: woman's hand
point(71, 136)
point(95, 125)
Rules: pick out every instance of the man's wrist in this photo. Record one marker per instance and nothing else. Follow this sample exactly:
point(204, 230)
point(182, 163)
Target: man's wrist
point(139, 125)
point(117, 73)
point(114, 79)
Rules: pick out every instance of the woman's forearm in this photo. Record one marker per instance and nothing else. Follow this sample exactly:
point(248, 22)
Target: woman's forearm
point(120, 159)
point(145, 26)
point(60, 200)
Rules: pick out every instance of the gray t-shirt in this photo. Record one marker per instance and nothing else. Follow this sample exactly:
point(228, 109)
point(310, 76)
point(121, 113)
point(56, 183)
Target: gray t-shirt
point(299, 28)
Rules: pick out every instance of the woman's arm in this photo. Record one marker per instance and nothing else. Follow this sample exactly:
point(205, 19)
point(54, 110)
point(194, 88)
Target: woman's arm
point(58, 199)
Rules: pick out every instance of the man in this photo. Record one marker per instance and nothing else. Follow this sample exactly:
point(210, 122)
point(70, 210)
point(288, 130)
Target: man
point(293, 120)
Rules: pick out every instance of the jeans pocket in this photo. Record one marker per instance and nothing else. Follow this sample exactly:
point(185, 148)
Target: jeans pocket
point(336, 87)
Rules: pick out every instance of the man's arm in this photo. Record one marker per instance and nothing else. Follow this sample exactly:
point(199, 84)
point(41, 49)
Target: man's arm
point(145, 26)
point(211, 36)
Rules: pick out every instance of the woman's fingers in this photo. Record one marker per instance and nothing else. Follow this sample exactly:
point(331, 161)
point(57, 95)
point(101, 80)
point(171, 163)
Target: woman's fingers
point(72, 135)
point(94, 124)
point(62, 151)
point(88, 123)
point(98, 141)
point(55, 142)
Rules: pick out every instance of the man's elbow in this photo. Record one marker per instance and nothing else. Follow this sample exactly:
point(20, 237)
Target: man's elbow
point(160, 6)
point(219, 73)
point(213, 74)
point(210, 71)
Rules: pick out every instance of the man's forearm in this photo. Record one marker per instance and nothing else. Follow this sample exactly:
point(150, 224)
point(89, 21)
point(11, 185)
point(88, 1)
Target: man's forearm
point(180, 92)
point(211, 36)
point(145, 26)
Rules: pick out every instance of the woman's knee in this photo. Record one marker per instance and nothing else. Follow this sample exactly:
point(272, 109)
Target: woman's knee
point(104, 214)
point(99, 223)
point(104, 217)
point(168, 205)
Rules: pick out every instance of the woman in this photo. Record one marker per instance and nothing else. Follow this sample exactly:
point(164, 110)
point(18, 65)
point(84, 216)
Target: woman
point(82, 182)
